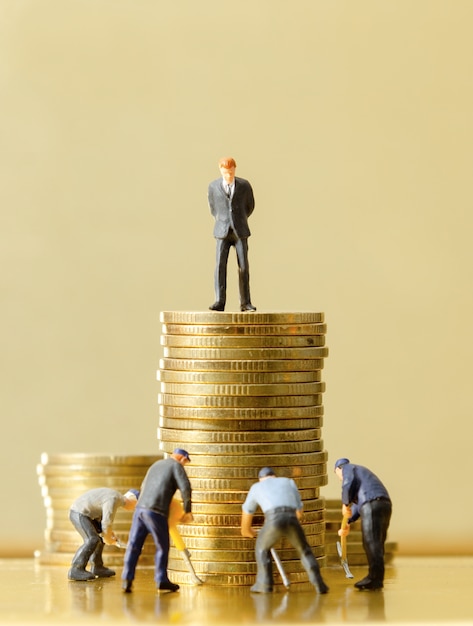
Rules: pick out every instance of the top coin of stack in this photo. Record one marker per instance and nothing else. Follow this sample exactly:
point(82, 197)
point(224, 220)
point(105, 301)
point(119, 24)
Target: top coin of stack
point(241, 391)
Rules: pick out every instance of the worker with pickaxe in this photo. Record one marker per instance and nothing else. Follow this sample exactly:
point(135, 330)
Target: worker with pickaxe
point(280, 501)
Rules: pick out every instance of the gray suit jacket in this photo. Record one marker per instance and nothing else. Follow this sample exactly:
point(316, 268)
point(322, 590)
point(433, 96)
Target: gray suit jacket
point(231, 214)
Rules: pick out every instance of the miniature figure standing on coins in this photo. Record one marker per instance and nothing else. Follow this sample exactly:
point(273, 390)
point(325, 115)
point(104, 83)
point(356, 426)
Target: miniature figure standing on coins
point(231, 202)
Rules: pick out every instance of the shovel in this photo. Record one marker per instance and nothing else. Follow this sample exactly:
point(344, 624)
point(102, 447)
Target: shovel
point(342, 549)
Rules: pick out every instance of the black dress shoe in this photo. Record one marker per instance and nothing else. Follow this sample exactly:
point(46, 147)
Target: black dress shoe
point(168, 586)
point(126, 586)
point(367, 583)
point(217, 306)
point(247, 307)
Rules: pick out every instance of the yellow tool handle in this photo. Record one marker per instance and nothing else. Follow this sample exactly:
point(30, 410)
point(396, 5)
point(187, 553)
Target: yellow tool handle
point(343, 539)
point(176, 512)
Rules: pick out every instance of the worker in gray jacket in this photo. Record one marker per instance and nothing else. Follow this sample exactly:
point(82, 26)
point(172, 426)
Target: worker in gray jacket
point(92, 515)
point(161, 482)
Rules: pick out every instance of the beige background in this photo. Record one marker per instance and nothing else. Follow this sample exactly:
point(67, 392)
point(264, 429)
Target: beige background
point(353, 121)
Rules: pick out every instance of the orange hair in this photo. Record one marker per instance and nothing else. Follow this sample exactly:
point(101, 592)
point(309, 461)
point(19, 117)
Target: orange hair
point(227, 162)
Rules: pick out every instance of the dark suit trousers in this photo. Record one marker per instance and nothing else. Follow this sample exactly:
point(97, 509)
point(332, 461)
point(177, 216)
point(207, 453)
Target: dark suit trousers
point(223, 248)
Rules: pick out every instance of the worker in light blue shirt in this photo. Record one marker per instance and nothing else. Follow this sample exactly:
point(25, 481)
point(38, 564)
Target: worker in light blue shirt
point(280, 501)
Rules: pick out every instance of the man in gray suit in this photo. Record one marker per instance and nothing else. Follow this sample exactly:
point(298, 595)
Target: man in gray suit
point(231, 202)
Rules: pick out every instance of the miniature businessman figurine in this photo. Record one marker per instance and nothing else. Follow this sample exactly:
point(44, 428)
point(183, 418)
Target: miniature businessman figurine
point(92, 515)
point(365, 496)
point(280, 501)
point(161, 482)
point(231, 203)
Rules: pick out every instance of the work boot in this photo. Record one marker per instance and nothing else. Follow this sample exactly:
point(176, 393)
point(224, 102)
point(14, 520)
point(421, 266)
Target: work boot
point(368, 583)
point(102, 571)
point(167, 586)
point(76, 573)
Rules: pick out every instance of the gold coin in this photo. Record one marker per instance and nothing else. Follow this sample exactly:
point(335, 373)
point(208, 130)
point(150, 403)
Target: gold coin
point(230, 567)
point(239, 555)
point(180, 436)
point(218, 317)
point(241, 378)
point(211, 544)
point(219, 484)
point(233, 508)
point(98, 459)
point(268, 425)
point(284, 447)
point(241, 341)
point(271, 460)
point(289, 471)
point(239, 401)
point(235, 519)
point(238, 582)
point(241, 365)
point(130, 473)
point(86, 483)
point(255, 354)
point(240, 496)
point(234, 414)
point(280, 389)
point(189, 530)
point(244, 329)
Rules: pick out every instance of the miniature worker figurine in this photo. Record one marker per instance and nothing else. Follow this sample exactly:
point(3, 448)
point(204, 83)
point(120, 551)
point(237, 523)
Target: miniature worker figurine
point(92, 515)
point(231, 203)
point(280, 501)
point(151, 517)
point(365, 496)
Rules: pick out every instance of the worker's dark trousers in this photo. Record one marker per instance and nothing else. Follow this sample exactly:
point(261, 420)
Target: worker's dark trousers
point(283, 522)
point(92, 548)
point(375, 518)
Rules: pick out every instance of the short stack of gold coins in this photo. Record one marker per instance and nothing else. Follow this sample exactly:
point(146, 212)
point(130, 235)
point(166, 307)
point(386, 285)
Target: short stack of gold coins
point(64, 477)
point(356, 554)
point(241, 391)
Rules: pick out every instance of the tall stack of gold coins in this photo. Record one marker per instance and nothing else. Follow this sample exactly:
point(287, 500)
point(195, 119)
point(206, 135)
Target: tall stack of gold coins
point(241, 391)
point(64, 477)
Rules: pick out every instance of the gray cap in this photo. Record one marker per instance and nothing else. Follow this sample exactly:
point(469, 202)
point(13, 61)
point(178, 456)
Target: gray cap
point(266, 471)
point(340, 462)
